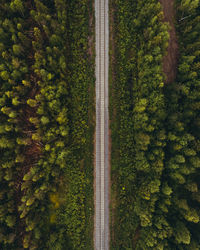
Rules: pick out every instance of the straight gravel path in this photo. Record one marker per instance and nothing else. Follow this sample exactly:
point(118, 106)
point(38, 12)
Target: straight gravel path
point(101, 234)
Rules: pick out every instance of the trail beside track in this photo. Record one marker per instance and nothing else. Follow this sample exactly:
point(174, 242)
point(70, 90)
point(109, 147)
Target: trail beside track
point(171, 59)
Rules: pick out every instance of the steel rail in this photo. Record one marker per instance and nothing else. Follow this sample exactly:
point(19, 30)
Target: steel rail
point(102, 131)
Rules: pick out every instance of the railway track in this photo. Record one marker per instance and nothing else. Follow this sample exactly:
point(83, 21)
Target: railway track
point(101, 236)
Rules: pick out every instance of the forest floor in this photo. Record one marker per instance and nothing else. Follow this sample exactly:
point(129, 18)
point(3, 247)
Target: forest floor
point(171, 58)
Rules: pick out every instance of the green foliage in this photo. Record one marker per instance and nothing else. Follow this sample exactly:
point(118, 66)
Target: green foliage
point(4, 75)
point(17, 49)
point(45, 134)
point(155, 132)
point(17, 5)
point(32, 103)
point(139, 137)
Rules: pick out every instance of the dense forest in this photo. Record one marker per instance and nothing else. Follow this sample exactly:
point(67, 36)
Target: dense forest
point(47, 109)
point(46, 124)
point(155, 128)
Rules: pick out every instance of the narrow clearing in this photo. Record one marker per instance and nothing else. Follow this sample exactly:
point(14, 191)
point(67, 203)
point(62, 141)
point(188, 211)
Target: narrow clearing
point(170, 60)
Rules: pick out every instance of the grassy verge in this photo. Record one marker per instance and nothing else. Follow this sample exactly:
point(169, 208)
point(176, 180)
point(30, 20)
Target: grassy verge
point(113, 119)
